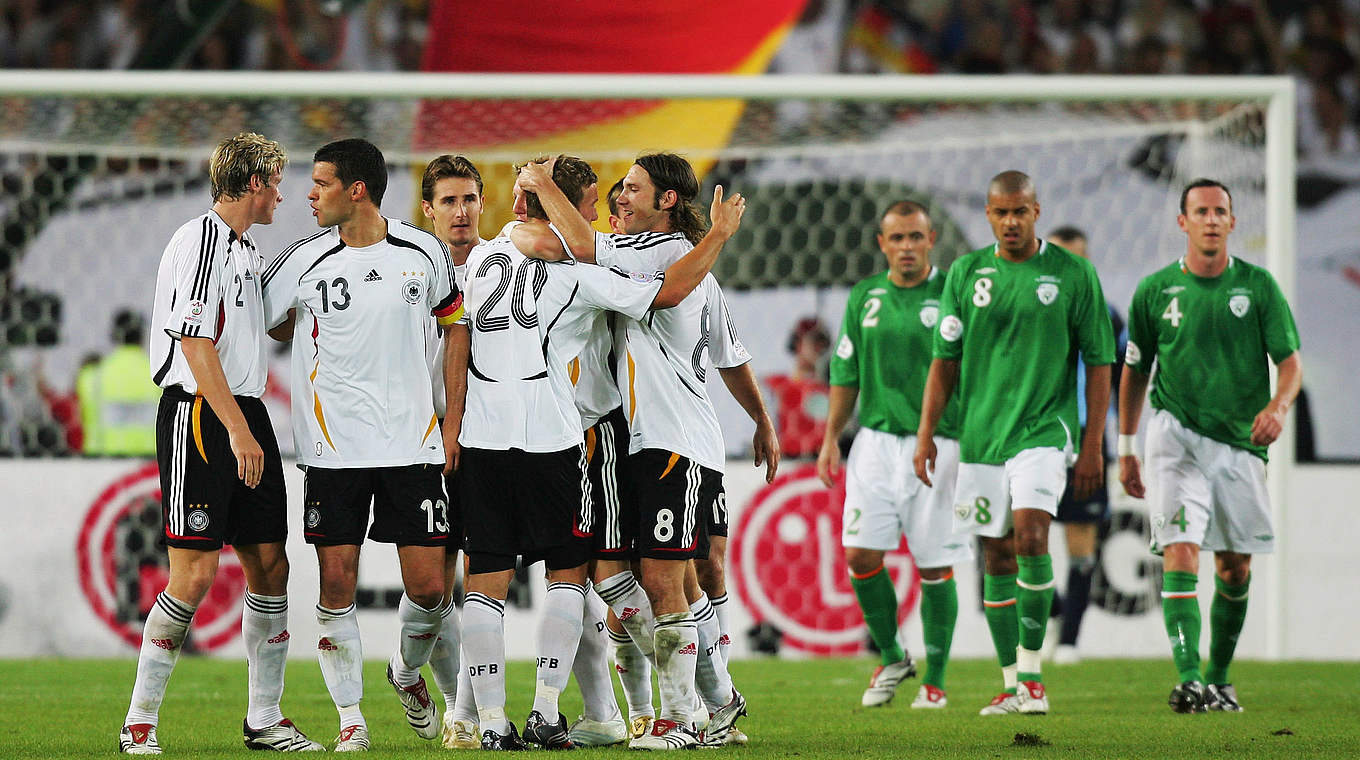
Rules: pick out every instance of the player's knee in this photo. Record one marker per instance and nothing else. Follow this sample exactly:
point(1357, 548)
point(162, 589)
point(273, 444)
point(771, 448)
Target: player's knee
point(711, 577)
point(426, 595)
point(863, 561)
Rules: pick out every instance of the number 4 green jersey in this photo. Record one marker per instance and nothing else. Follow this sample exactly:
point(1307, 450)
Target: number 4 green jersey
point(1016, 329)
point(1210, 337)
point(884, 349)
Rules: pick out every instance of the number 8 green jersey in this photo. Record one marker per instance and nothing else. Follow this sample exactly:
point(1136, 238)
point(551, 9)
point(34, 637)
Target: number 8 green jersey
point(1016, 329)
point(1210, 337)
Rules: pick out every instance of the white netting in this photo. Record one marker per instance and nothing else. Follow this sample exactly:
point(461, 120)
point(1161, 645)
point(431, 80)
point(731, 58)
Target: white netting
point(95, 184)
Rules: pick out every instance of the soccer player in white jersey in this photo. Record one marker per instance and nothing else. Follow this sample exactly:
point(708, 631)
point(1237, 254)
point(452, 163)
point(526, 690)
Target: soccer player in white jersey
point(1211, 323)
point(356, 299)
point(676, 452)
point(521, 416)
point(221, 475)
point(451, 198)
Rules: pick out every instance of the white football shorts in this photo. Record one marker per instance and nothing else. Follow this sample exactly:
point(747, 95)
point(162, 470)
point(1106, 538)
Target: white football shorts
point(884, 500)
point(988, 494)
point(1204, 492)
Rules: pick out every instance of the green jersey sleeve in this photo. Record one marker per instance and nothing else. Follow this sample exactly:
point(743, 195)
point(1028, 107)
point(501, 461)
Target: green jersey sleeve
point(1277, 323)
point(948, 343)
point(1141, 350)
point(1095, 334)
point(844, 361)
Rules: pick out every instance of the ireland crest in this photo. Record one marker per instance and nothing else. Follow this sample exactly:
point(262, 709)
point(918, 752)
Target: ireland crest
point(1238, 305)
point(1048, 292)
point(930, 316)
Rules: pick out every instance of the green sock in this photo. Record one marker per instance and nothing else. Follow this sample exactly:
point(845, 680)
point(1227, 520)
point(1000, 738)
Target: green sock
point(998, 606)
point(939, 611)
point(1180, 610)
point(1034, 601)
point(878, 601)
point(1227, 612)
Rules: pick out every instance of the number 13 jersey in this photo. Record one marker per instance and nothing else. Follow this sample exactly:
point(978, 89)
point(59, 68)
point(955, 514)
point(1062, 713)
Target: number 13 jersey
point(361, 380)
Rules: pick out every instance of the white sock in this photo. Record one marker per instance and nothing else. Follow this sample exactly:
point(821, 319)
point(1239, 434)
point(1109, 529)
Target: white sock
point(264, 627)
point(166, 626)
point(444, 656)
point(591, 667)
point(484, 658)
point(341, 654)
point(677, 649)
point(710, 672)
point(559, 632)
point(625, 597)
point(725, 631)
point(635, 675)
point(419, 632)
point(465, 704)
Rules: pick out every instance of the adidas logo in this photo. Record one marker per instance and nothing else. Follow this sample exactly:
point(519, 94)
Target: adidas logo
point(620, 668)
point(372, 276)
point(422, 636)
point(724, 641)
point(279, 639)
point(166, 644)
point(628, 612)
point(139, 734)
point(689, 648)
point(325, 645)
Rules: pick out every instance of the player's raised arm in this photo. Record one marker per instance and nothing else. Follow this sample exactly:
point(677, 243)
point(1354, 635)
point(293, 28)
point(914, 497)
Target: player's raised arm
point(684, 276)
point(576, 232)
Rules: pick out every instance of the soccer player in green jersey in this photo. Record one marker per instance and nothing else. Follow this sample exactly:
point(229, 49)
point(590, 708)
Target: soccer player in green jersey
point(1013, 317)
point(1210, 321)
point(884, 349)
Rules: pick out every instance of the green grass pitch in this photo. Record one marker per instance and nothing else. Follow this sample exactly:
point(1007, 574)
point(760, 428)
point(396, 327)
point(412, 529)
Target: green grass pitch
point(798, 709)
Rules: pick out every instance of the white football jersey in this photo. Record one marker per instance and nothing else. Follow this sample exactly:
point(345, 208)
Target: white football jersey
point(592, 372)
point(529, 319)
point(361, 377)
point(666, 355)
point(208, 286)
point(434, 347)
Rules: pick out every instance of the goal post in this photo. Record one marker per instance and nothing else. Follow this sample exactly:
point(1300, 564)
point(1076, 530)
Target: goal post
point(817, 155)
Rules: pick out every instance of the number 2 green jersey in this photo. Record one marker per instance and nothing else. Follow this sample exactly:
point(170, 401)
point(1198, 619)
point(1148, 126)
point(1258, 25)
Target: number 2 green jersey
point(1016, 329)
point(884, 349)
point(1210, 337)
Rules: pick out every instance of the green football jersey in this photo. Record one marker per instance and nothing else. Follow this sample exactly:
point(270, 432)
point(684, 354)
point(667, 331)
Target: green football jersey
point(1016, 329)
point(1210, 337)
point(884, 349)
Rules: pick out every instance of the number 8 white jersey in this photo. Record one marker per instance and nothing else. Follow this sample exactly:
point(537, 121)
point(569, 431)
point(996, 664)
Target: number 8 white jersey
point(664, 357)
point(528, 320)
point(361, 378)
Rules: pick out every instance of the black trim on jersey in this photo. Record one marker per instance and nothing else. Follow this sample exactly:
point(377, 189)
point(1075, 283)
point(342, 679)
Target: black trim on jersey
point(539, 376)
point(547, 332)
point(203, 273)
point(472, 367)
point(394, 240)
point(165, 367)
point(678, 376)
point(448, 258)
point(274, 265)
point(338, 248)
point(640, 243)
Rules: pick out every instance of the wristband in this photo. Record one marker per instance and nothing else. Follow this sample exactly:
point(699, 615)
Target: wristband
point(1125, 446)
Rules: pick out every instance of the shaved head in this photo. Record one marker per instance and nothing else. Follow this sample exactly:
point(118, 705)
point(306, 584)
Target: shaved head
point(1011, 182)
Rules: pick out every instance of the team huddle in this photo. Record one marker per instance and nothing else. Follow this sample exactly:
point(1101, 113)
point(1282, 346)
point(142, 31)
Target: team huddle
point(541, 396)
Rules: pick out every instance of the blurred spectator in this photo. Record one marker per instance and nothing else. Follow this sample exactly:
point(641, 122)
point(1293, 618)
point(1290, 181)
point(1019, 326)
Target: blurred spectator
point(118, 401)
point(1083, 46)
point(1169, 21)
point(1147, 57)
point(1241, 38)
point(802, 397)
point(1325, 130)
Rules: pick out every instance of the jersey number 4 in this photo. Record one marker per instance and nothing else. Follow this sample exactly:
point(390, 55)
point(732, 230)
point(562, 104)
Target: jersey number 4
point(1173, 313)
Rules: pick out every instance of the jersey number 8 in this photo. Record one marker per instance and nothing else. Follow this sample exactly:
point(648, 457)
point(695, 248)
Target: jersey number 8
point(982, 292)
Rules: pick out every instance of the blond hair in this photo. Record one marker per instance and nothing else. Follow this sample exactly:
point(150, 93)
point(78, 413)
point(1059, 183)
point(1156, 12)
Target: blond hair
point(237, 159)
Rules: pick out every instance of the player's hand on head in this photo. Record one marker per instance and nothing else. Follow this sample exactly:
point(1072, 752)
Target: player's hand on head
point(249, 457)
point(829, 463)
point(534, 177)
point(1131, 476)
point(924, 459)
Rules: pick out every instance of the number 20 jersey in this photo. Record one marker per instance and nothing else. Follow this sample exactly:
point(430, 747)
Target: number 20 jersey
point(361, 380)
